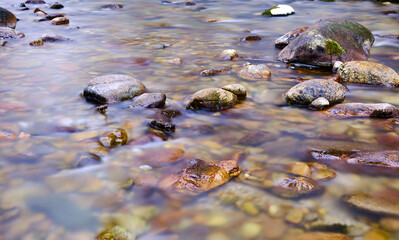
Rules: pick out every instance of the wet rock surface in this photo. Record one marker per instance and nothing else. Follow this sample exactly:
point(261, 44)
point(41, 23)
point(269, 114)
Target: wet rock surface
point(56, 5)
point(306, 92)
point(200, 177)
point(116, 233)
point(86, 159)
point(113, 89)
point(353, 110)
point(310, 46)
point(114, 138)
point(319, 236)
point(112, 6)
point(363, 72)
point(254, 72)
point(239, 90)
point(279, 10)
point(35, 1)
point(6, 32)
point(149, 100)
point(165, 127)
point(255, 138)
point(287, 38)
point(160, 157)
point(7, 18)
point(229, 54)
point(60, 21)
point(211, 99)
point(378, 203)
point(215, 71)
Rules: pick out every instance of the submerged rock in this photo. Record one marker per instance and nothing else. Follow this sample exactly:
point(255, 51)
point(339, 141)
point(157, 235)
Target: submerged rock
point(229, 54)
point(7, 18)
point(165, 127)
point(252, 38)
point(295, 187)
point(319, 236)
point(149, 100)
point(211, 99)
point(114, 138)
point(306, 92)
point(215, 71)
point(257, 137)
point(371, 73)
point(351, 110)
point(48, 38)
point(310, 46)
point(113, 89)
point(287, 38)
point(377, 159)
point(112, 6)
point(254, 72)
point(200, 177)
point(6, 32)
point(160, 157)
point(239, 90)
point(279, 10)
point(52, 16)
point(85, 159)
point(116, 233)
point(385, 204)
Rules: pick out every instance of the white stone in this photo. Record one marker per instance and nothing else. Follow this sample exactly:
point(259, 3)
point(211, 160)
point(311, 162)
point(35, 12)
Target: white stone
point(282, 10)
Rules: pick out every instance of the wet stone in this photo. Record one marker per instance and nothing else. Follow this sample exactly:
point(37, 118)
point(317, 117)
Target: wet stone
point(3, 43)
point(311, 46)
point(22, 7)
point(229, 54)
point(215, 71)
point(321, 171)
point(211, 99)
point(112, 6)
point(239, 90)
point(319, 103)
point(55, 15)
point(257, 137)
point(383, 204)
point(149, 138)
point(8, 214)
point(353, 110)
point(7, 18)
point(6, 32)
point(306, 92)
point(279, 10)
point(199, 177)
point(85, 159)
point(295, 187)
point(60, 21)
point(167, 114)
point(287, 38)
point(149, 100)
point(166, 127)
point(39, 12)
point(319, 236)
point(390, 224)
point(114, 138)
point(54, 38)
point(38, 42)
point(363, 72)
point(116, 233)
point(378, 159)
point(160, 157)
point(113, 89)
point(35, 1)
point(56, 5)
point(254, 72)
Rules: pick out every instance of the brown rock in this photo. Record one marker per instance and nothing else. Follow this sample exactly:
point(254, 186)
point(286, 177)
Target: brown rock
point(114, 138)
point(319, 236)
point(295, 187)
point(389, 140)
point(287, 38)
point(149, 100)
point(52, 16)
point(229, 54)
point(390, 224)
point(351, 110)
point(200, 177)
point(378, 203)
point(211, 99)
point(239, 90)
point(7, 18)
point(160, 157)
point(252, 38)
point(378, 159)
point(60, 21)
point(370, 73)
point(38, 42)
point(257, 137)
point(254, 72)
point(215, 71)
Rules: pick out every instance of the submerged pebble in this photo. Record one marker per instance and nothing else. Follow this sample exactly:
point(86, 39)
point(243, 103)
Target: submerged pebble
point(114, 138)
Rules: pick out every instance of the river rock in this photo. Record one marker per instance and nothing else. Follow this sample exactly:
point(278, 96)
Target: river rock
point(376, 159)
point(52, 16)
point(160, 157)
point(257, 137)
point(60, 21)
point(318, 236)
point(149, 100)
point(378, 203)
point(363, 72)
point(306, 92)
point(287, 38)
point(22, 7)
point(112, 6)
point(114, 138)
point(7, 18)
point(116, 233)
point(310, 46)
point(319, 103)
point(215, 71)
point(85, 159)
point(200, 177)
point(113, 89)
point(211, 99)
point(375, 110)
point(38, 42)
point(56, 5)
point(295, 187)
point(229, 54)
point(39, 12)
point(163, 126)
point(239, 90)
point(254, 72)
point(279, 10)
point(6, 32)
point(35, 1)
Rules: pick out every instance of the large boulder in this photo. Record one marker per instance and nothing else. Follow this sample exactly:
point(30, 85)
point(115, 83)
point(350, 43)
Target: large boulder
point(353, 39)
point(7, 18)
point(308, 91)
point(371, 73)
point(113, 89)
point(211, 99)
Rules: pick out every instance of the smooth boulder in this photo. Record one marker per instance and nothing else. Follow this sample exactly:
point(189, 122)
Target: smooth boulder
point(363, 72)
point(113, 89)
point(310, 46)
point(306, 92)
point(211, 99)
point(7, 18)
point(354, 110)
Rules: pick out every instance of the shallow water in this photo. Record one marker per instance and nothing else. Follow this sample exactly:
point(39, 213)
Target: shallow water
point(40, 97)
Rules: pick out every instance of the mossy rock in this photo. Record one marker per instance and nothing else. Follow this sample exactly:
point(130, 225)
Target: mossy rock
point(211, 99)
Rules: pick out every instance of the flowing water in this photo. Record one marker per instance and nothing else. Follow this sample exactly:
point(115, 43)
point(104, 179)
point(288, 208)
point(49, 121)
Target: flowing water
point(43, 197)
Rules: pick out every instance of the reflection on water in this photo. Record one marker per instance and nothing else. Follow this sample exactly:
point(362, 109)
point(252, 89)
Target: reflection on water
point(47, 125)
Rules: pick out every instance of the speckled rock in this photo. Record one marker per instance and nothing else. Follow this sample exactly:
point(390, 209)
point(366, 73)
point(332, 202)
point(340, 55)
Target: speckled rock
point(371, 73)
point(295, 187)
point(306, 92)
point(7, 18)
point(116, 233)
point(149, 100)
point(6, 32)
point(239, 90)
point(385, 204)
point(352, 110)
point(287, 38)
point(376, 159)
point(254, 72)
point(60, 21)
point(114, 138)
point(199, 177)
point(310, 46)
point(319, 103)
point(113, 89)
point(163, 126)
point(211, 99)
point(215, 71)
